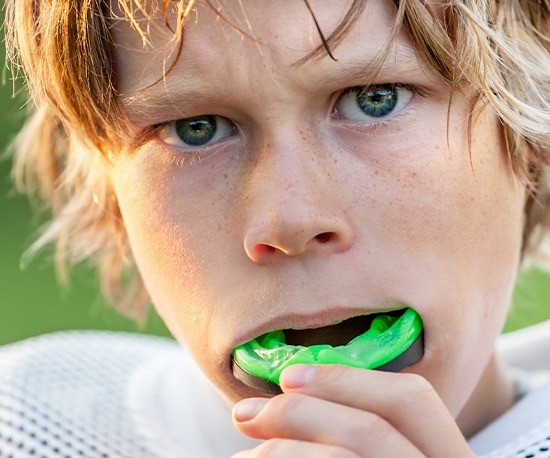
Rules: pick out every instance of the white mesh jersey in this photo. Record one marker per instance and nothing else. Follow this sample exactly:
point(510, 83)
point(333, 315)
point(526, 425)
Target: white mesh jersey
point(109, 395)
point(115, 395)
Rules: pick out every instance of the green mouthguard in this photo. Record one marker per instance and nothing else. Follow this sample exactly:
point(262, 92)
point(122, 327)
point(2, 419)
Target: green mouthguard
point(388, 337)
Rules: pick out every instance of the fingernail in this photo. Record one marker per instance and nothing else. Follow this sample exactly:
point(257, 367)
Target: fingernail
point(298, 375)
point(247, 409)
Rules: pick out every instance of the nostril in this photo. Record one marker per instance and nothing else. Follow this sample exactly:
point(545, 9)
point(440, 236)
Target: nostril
point(324, 237)
point(262, 249)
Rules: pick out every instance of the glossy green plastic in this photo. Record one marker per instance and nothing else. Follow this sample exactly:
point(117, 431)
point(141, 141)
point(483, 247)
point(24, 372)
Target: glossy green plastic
point(387, 338)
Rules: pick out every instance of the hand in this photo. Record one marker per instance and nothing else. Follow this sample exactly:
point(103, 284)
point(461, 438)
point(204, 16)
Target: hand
point(346, 412)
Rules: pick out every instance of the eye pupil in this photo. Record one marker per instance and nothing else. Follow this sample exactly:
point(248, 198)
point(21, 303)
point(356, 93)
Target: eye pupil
point(197, 131)
point(378, 101)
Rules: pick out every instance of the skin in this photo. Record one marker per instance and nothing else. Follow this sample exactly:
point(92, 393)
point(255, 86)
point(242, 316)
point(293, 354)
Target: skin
point(300, 218)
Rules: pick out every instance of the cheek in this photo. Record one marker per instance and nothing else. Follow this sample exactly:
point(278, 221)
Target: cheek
point(461, 242)
point(441, 222)
point(161, 215)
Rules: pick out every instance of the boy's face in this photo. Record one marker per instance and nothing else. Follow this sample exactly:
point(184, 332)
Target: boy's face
point(303, 205)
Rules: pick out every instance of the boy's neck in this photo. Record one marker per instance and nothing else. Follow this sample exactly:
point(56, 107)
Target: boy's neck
point(495, 394)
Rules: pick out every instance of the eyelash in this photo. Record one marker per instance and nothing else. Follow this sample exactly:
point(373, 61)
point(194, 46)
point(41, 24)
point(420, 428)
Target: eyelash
point(191, 156)
point(410, 87)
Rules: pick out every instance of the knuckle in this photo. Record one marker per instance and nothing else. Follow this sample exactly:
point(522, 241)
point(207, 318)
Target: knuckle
point(419, 386)
point(285, 406)
point(270, 447)
point(338, 452)
point(375, 427)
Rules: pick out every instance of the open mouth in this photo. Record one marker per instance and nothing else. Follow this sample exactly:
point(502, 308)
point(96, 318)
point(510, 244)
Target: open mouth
point(337, 334)
point(385, 341)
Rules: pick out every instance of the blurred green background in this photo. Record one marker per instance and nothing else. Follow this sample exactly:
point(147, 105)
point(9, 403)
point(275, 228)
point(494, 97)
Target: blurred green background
point(32, 303)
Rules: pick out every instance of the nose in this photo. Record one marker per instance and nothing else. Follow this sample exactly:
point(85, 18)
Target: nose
point(296, 206)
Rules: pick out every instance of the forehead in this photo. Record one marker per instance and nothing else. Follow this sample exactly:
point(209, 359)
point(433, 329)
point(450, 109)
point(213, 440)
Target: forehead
point(253, 33)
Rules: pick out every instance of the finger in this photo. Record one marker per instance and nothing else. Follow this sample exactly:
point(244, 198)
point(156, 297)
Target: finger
point(288, 448)
point(406, 401)
point(309, 419)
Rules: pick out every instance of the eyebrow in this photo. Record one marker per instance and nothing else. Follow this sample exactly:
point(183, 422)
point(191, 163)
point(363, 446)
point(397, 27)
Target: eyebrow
point(163, 94)
point(185, 90)
point(398, 62)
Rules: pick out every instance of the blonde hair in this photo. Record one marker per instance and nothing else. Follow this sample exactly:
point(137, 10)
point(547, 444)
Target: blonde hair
point(498, 48)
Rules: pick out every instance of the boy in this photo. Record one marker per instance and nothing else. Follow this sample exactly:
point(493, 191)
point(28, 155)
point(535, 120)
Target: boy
point(287, 166)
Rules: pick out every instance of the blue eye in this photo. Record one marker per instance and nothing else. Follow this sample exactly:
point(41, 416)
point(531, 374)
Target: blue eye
point(372, 104)
point(197, 131)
